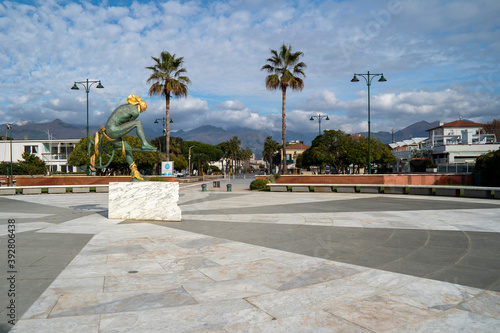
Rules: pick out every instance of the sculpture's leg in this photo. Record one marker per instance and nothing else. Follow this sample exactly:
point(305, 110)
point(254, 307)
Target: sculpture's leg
point(121, 130)
point(142, 136)
point(136, 175)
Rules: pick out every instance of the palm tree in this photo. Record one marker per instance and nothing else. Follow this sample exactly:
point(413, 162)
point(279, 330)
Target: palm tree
point(270, 149)
point(285, 70)
point(233, 146)
point(168, 80)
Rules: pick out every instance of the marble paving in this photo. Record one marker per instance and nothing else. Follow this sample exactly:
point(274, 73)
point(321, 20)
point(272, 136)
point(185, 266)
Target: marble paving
point(143, 277)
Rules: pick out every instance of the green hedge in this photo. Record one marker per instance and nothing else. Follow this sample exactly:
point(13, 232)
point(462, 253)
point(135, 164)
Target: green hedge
point(259, 184)
point(489, 167)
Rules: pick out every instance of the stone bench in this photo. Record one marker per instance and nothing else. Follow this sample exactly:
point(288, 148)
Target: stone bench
point(7, 190)
point(300, 188)
point(438, 190)
point(57, 190)
point(369, 189)
point(32, 190)
point(346, 189)
point(478, 193)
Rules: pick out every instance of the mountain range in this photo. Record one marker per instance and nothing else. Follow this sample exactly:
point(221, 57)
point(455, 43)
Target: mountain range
point(253, 139)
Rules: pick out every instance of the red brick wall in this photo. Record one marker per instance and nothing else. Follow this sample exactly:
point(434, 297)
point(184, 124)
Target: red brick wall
point(407, 179)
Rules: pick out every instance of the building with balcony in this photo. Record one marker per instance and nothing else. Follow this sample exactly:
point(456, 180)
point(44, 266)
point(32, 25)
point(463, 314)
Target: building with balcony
point(53, 152)
point(459, 142)
point(452, 144)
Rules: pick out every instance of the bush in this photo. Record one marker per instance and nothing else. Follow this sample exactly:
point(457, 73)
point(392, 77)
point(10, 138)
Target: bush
point(259, 184)
point(420, 164)
point(489, 167)
point(272, 178)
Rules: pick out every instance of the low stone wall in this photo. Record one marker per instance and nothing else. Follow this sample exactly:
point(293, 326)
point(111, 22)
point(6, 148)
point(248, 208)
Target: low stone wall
point(74, 180)
point(400, 179)
point(438, 190)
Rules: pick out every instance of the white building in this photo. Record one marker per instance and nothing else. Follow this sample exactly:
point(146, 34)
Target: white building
point(405, 150)
point(459, 142)
point(53, 152)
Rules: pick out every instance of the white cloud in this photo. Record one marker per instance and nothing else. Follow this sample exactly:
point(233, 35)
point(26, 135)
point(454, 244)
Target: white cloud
point(440, 58)
point(231, 105)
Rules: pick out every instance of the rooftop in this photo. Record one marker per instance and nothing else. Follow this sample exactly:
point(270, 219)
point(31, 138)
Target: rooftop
point(459, 123)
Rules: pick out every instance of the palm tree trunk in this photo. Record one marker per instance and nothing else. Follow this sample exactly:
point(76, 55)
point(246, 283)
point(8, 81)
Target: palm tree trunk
point(283, 127)
point(167, 136)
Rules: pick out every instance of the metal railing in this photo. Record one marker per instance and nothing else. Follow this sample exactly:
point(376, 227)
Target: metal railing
point(464, 167)
point(53, 156)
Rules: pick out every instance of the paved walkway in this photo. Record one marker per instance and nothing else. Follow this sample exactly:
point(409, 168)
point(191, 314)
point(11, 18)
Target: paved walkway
point(246, 261)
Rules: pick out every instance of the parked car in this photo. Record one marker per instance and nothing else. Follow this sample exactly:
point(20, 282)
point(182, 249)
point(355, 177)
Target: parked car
point(178, 174)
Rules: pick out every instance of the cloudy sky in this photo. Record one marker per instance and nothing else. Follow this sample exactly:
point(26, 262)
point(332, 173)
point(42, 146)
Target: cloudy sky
point(440, 58)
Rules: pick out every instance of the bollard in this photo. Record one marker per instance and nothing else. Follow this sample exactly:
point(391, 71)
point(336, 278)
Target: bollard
point(203, 187)
point(229, 187)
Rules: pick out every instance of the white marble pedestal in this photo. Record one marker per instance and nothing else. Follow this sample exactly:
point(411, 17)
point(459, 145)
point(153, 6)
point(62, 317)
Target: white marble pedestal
point(144, 201)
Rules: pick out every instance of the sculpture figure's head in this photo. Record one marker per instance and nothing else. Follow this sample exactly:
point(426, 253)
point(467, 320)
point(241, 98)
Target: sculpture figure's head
point(136, 100)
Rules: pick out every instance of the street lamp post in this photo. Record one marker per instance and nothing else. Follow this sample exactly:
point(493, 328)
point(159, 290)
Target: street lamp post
point(319, 116)
point(9, 127)
point(164, 122)
point(368, 78)
point(87, 84)
point(189, 170)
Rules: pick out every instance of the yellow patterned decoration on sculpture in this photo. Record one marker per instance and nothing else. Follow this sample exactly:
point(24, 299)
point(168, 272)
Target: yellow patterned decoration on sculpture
point(96, 149)
point(136, 100)
point(135, 172)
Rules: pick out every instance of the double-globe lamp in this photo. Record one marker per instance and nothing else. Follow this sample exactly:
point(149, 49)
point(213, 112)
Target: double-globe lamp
point(368, 78)
point(87, 84)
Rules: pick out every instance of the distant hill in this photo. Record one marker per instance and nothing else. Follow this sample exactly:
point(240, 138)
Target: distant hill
point(416, 130)
point(206, 134)
point(58, 129)
point(209, 134)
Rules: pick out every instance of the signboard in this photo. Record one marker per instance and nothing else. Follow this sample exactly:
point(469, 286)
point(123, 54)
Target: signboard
point(167, 168)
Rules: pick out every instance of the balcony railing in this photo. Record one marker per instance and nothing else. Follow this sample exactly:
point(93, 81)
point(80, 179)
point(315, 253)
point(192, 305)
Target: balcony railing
point(54, 157)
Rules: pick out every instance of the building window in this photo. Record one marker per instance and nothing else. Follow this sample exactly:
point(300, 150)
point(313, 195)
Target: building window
point(31, 149)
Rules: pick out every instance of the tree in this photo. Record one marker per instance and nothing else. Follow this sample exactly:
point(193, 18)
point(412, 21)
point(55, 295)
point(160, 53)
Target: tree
point(271, 148)
point(180, 162)
point(168, 80)
point(285, 69)
point(233, 147)
point(29, 165)
point(340, 150)
point(245, 155)
point(332, 148)
point(79, 157)
point(223, 146)
point(493, 127)
point(201, 154)
point(489, 167)
point(382, 155)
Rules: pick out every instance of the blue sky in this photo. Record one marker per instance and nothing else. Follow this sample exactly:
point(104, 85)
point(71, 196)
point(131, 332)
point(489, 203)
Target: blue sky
point(440, 58)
